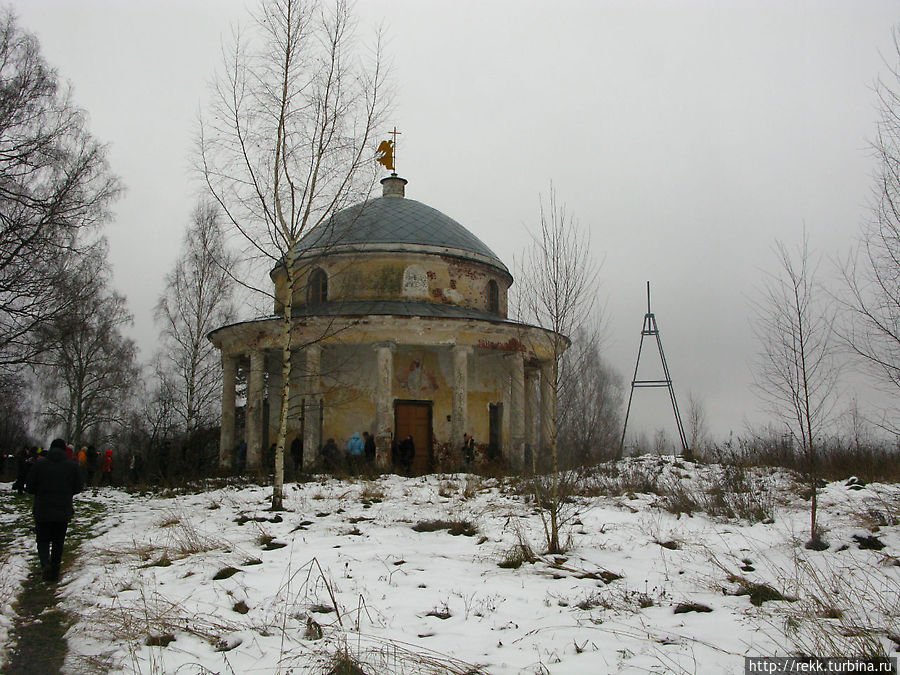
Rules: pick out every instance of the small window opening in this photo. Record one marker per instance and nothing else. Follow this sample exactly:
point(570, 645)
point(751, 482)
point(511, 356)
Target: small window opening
point(493, 297)
point(317, 288)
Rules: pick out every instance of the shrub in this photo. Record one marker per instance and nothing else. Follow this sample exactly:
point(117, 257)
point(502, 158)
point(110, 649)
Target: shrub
point(733, 493)
point(836, 458)
point(454, 527)
point(514, 557)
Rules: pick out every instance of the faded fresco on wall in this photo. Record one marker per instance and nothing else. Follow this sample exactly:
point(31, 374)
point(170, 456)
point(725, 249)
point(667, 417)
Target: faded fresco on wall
point(415, 282)
point(417, 374)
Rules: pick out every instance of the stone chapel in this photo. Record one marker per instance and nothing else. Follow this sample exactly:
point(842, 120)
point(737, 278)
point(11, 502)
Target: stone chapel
point(400, 321)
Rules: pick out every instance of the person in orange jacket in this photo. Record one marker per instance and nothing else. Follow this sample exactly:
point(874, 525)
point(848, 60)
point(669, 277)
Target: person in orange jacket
point(81, 459)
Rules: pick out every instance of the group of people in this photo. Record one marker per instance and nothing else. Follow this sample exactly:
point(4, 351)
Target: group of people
point(358, 456)
point(88, 460)
point(53, 476)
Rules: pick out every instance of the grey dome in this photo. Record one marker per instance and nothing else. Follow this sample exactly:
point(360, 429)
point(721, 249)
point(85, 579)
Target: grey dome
point(394, 223)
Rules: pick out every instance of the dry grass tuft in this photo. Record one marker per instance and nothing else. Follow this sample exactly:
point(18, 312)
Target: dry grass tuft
point(516, 556)
point(371, 493)
point(185, 539)
point(454, 527)
point(447, 489)
point(368, 656)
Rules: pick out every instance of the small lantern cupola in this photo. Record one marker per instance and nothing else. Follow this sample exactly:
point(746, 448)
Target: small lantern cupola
point(393, 186)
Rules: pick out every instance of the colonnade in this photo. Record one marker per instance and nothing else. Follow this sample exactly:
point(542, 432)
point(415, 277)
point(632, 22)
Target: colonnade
point(530, 395)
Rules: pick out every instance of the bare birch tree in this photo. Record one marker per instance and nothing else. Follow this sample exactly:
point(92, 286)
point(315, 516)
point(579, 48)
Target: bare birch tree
point(698, 430)
point(872, 273)
point(557, 290)
point(197, 299)
point(14, 411)
point(90, 366)
point(590, 403)
point(288, 143)
point(54, 185)
point(796, 372)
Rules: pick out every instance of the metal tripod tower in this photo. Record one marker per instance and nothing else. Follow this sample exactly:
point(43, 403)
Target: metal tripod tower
point(651, 329)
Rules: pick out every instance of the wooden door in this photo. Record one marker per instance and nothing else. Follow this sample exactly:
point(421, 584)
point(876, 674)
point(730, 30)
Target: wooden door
point(413, 418)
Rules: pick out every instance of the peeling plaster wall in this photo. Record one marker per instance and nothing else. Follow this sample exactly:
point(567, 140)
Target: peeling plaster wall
point(419, 374)
point(422, 362)
point(397, 276)
point(348, 383)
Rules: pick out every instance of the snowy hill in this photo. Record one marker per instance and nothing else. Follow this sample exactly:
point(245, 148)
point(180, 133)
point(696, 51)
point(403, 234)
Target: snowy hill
point(672, 567)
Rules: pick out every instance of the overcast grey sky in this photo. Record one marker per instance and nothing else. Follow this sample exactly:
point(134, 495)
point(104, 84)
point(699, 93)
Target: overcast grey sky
point(686, 136)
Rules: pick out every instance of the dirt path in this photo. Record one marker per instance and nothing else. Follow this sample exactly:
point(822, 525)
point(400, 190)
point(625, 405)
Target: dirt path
point(37, 639)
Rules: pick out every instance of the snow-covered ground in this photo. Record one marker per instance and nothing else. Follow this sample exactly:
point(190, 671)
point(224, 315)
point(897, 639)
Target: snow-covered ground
point(15, 520)
point(343, 571)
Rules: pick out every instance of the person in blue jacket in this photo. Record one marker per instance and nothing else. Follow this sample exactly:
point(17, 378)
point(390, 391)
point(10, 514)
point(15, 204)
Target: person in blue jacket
point(355, 449)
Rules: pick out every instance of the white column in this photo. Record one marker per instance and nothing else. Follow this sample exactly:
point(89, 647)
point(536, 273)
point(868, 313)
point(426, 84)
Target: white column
point(548, 406)
point(311, 432)
point(458, 419)
point(297, 392)
point(384, 400)
point(274, 396)
point(517, 414)
point(531, 375)
point(226, 432)
point(254, 408)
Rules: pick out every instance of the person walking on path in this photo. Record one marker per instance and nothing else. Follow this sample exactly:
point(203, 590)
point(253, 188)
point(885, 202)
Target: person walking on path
point(106, 469)
point(93, 463)
point(81, 458)
point(24, 461)
point(53, 480)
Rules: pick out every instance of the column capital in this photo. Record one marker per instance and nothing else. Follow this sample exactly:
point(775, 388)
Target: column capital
point(392, 346)
point(461, 349)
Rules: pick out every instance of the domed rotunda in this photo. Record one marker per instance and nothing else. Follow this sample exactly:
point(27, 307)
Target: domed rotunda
point(399, 318)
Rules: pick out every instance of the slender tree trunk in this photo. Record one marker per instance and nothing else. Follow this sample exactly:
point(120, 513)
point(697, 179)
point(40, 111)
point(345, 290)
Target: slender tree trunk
point(554, 458)
point(807, 419)
point(286, 344)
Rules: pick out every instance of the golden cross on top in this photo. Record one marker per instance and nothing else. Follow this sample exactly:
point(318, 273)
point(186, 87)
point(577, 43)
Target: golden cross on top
point(395, 133)
point(386, 154)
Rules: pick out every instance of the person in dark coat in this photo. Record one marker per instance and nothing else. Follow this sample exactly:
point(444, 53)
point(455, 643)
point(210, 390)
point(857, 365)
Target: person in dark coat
point(242, 456)
point(93, 463)
point(468, 451)
point(407, 454)
point(369, 447)
point(23, 466)
point(53, 480)
point(297, 454)
point(331, 457)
